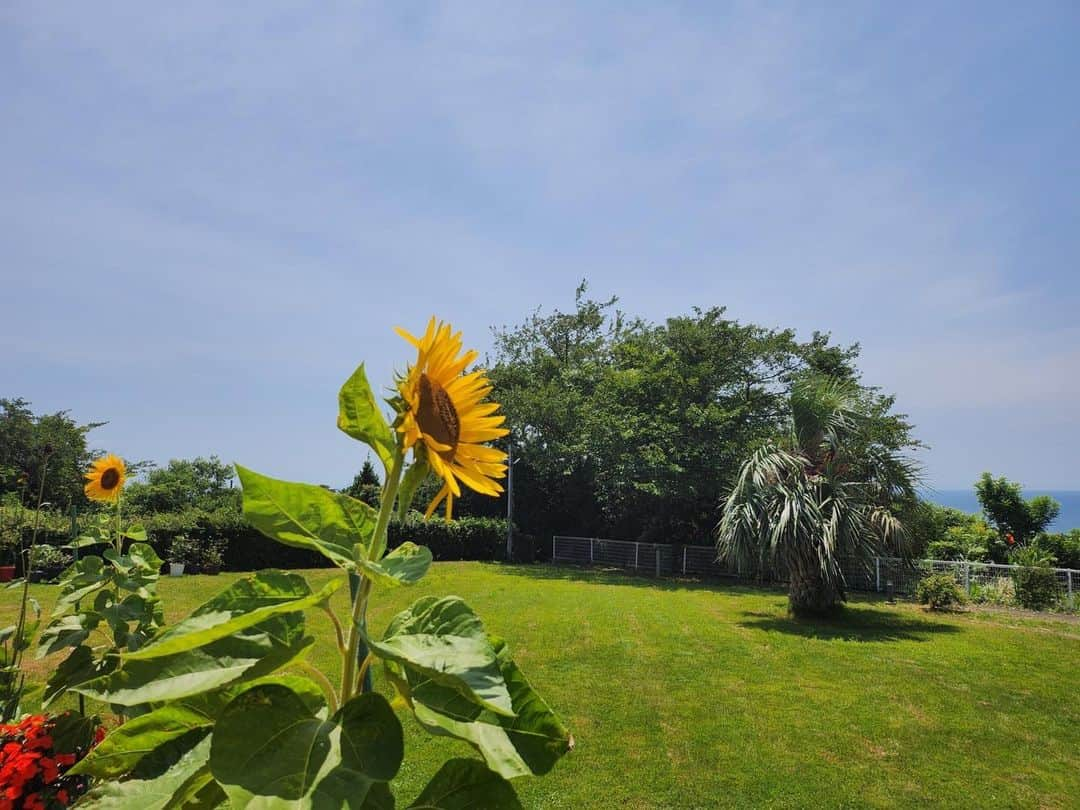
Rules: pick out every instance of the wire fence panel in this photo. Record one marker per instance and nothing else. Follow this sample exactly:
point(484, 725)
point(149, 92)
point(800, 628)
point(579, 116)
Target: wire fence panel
point(657, 559)
point(887, 575)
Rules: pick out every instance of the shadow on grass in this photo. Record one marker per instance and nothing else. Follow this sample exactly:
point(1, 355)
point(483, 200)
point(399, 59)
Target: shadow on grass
point(851, 623)
point(615, 576)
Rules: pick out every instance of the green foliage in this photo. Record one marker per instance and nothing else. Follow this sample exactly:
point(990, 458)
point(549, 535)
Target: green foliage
point(823, 496)
point(1062, 547)
point(999, 591)
point(1036, 582)
point(635, 430)
point(217, 721)
point(114, 593)
point(200, 483)
point(46, 451)
point(46, 557)
point(971, 540)
point(184, 550)
point(939, 592)
point(460, 539)
point(1003, 502)
point(365, 486)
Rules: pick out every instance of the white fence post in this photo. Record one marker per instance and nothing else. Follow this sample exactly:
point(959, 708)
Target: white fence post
point(637, 554)
point(1068, 576)
point(684, 562)
point(657, 560)
point(877, 573)
point(967, 577)
point(553, 548)
point(592, 554)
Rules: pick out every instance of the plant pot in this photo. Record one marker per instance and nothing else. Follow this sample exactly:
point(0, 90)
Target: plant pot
point(192, 568)
point(37, 576)
point(176, 569)
point(7, 573)
point(212, 570)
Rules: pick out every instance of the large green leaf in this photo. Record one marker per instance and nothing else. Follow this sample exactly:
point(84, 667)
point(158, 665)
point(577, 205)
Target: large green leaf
point(78, 668)
point(528, 744)
point(138, 570)
point(307, 516)
point(141, 736)
point(67, 631)
point(270, 750)
point(405, 565)
point(360, 417)
point(245, 603)
point(80, 579)
point(163, 792)
point(125, 745)
point(466, 784)
point(247, 654)
point(442, 643)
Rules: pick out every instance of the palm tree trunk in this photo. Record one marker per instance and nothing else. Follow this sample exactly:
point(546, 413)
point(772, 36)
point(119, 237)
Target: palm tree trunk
point(809, 594)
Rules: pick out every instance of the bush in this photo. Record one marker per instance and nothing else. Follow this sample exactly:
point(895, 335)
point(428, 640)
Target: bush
point(939, 592)
point(998, 591)
point(1036, 587)
point(970, 541)
point(1064, 547)
point(184, 550)
point(46, 557)
point(244, 549)
point(462, 539)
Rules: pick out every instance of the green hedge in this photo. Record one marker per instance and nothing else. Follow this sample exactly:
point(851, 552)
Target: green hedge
point(247, 550)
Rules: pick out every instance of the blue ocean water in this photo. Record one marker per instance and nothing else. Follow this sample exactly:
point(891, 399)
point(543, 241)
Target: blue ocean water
point(965, 500)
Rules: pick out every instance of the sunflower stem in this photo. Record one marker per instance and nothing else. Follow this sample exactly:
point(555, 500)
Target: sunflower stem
point(376, 549)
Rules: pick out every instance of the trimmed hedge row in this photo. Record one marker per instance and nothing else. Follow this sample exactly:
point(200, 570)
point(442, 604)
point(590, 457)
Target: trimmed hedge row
point(466, 538)
point(248, 550)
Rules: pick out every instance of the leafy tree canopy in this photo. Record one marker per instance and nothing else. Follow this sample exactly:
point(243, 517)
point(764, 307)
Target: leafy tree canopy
point(636, 430)
point(28, 440)
point(200, 483)
point(365, 485)
point(1005, 507)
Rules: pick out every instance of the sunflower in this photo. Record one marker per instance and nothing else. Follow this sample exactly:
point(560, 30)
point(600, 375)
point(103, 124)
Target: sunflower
point(446, 419)
point(105, 478)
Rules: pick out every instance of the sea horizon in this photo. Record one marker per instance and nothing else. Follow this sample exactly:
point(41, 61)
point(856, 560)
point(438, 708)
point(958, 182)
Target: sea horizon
point(966, 501)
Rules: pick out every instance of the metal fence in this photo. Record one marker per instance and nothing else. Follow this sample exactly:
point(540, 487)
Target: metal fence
point(889, 575)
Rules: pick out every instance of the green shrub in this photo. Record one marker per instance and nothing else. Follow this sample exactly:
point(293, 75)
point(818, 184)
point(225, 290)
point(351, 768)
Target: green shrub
point(939, 592)
point(45, 557)
point(970, 541)
point(1036, 587)
point(462, 539)
point(1064, 547)
point(184, 550)
point(998, 591)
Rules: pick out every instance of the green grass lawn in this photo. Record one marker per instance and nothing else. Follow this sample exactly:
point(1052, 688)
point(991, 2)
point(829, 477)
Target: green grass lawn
point(686, 695)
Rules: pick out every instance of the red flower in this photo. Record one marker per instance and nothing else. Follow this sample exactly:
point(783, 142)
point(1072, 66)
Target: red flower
point(33, 774)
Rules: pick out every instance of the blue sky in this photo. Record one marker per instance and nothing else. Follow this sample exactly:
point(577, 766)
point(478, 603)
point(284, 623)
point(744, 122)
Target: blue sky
point(211, 214)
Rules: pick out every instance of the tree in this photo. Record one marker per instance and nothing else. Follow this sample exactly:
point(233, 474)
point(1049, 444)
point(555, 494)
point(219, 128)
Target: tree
point(634, 430)
point(27, 440)
point(199, 483)
point(825, 494)
point(1003, 502)
point(365, 485)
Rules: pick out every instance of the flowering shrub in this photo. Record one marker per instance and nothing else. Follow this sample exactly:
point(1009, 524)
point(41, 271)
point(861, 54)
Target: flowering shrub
point(35, 756)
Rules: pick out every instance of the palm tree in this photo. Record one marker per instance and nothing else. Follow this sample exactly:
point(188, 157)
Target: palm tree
point(804, 505)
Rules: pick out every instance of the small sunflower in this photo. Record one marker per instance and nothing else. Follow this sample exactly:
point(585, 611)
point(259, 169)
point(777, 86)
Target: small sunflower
point(446, 418)
point(105, 478)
